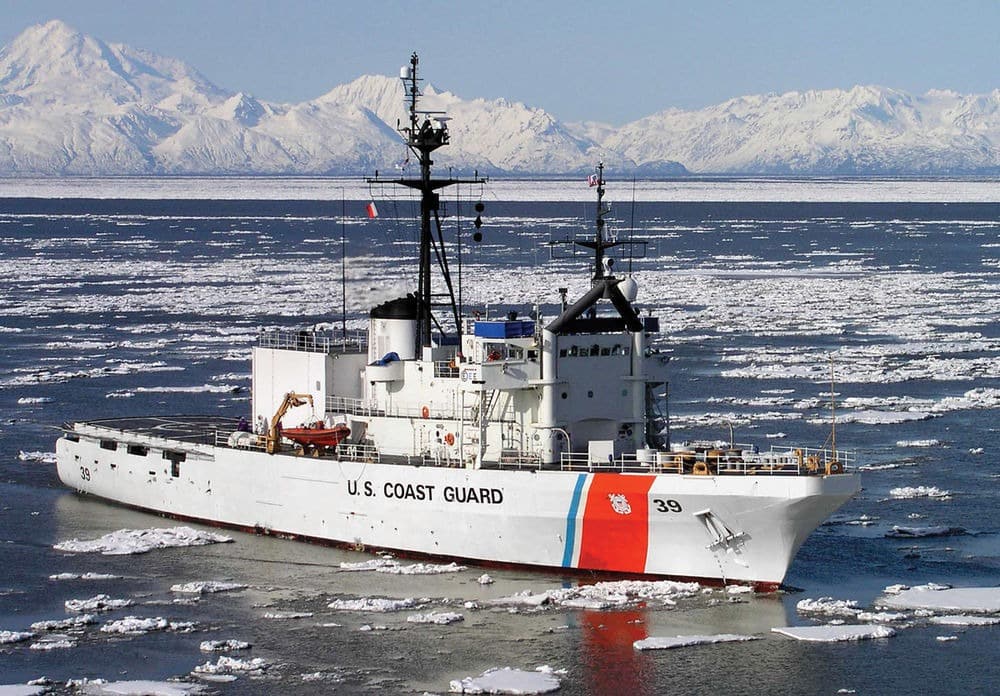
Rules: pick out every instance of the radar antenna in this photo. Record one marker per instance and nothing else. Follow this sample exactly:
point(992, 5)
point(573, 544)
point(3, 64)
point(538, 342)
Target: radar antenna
point(426, 132)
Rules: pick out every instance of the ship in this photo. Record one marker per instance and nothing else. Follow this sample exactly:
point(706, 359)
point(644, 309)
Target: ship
point(437, 432)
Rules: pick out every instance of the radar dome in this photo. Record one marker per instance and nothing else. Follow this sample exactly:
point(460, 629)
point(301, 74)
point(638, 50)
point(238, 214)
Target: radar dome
point(629, 288)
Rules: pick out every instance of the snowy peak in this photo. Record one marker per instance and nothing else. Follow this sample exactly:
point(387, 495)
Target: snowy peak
point(53, 62)
point(73, 104)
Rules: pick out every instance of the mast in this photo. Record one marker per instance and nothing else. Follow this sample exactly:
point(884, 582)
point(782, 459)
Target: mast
point(599, 244)
point(425, 132)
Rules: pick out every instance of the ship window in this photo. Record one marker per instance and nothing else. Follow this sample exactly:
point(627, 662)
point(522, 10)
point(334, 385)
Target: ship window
point(562, 352)
point(72, 437)
point(595, 349)
point(617, 350)
point(532, 355)
point(625, 350)
point(138, 450)
point(175, 468)
point(174, 456)
point(109, 445)
point(605, 351)
point(573, 351)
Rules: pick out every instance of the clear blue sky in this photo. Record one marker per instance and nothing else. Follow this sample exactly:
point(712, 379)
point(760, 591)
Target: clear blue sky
point(608, 60)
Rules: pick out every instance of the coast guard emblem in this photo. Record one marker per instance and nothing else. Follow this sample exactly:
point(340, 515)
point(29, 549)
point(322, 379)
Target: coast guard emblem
point(619, 503)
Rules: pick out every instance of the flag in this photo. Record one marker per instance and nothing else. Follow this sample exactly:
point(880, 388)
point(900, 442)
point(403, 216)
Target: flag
point(593, 180)
point(372, 210)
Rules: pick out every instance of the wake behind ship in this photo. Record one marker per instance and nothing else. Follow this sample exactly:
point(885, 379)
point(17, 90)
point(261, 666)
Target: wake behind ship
point(525, 441)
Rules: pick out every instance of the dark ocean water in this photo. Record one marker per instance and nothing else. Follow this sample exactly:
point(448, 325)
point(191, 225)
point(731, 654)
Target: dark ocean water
point(118, 307)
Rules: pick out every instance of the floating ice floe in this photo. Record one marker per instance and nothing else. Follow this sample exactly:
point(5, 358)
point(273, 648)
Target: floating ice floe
point(372, 604)
point(223, 645)
point(976, 600)
point(504, 680)
point(945, 639)
point(61, 643)
point(603, 595)
point(28, 400)
point(21, 690)
point(7, 637)
point(131, 541)
point(484, 579)
point(835, 633)
point(442, 618)
point(919, 492)
point(828, 606)
point(917, 443)
point(141, 688)
point(207, 587)
point(135, 625)
point(387, 565)
point(74, 622)
point(101, 602)
point(964, 620)
point(84, 576)
point(230, 666)
point(901, 532)
point(671, 642)
point(287, 615)
point(43, 457)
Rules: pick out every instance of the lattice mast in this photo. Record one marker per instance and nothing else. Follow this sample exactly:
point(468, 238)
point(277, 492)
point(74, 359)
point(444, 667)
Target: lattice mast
point(599, 244)
point(425, 132)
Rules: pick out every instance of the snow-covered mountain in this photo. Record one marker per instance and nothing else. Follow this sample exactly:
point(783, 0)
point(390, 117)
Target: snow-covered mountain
point(73, 104)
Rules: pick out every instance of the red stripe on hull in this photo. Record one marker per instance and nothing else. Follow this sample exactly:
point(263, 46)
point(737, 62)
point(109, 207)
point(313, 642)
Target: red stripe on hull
point(616, 523)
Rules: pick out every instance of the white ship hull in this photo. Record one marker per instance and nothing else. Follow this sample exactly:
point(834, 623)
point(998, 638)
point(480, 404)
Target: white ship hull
point(723, 528)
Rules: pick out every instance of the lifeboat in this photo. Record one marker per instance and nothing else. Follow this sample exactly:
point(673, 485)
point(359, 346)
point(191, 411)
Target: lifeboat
point(317, 437)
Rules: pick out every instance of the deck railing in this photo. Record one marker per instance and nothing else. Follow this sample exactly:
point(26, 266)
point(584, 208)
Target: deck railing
point(739, 460)
point(314, 341)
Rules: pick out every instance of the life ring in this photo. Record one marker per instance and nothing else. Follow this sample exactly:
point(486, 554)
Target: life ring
point(449, 439)
point(812, 462)
point(700, 469)
point(425, 412)
point(834, 467)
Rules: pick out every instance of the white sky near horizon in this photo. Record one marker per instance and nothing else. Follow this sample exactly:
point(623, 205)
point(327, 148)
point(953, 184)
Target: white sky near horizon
point(583, 60)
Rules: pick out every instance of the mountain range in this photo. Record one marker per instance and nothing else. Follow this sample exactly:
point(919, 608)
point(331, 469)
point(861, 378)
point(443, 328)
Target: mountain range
point(71, 104)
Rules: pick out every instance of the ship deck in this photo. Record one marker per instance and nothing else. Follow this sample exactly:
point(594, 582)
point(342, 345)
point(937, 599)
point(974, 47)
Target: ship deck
point(194, 429)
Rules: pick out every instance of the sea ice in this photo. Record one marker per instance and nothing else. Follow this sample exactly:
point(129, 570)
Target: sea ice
point(387, 565)
point(504, 680)
point(918, 532)
point(372, 604)
point(43, 457)
point(669, 642)
point(14, 636)
point(918, 492)
point(965, 620)
point(135, 625)
point(129, 541)
point(835, 633)
point(435, 617)
point(64, 624)
point(917, 443)
point(230, 665)
point(287, 615)
point(207, 587)
point(223, 645)
point(54, 644)
point(84, 576)
point(101, 602)
point(484, 579)
point(21, 690)
point(983, 600)
point(828, 606)
point(141, 688)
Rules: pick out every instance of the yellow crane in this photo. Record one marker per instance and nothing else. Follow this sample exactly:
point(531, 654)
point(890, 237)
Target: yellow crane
point(291, 400)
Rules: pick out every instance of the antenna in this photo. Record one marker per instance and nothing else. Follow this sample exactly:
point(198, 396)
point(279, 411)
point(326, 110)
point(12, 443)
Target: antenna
point(426, 132)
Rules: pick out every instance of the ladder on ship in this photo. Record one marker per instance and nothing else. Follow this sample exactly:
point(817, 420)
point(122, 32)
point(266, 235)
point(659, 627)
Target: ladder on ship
point(474, 427)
